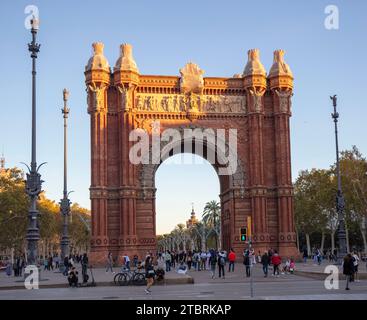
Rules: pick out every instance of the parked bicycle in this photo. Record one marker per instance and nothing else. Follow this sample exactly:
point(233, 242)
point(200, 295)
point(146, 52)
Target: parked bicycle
point(127, 277)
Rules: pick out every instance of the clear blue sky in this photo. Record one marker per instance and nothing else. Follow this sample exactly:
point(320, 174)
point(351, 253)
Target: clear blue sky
point(165, 35)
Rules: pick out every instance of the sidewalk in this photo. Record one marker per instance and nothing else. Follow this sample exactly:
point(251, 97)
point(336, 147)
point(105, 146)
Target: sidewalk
point(312, 270)
point(55, 279)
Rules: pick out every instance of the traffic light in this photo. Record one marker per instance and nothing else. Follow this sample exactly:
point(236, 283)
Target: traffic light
point(243, 234)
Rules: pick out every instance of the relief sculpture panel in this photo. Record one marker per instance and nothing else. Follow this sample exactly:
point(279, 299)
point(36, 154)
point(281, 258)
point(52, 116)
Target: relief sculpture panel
point(175, 103)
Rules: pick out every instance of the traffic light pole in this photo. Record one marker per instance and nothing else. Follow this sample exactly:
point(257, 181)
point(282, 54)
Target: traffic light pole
point(249, 234)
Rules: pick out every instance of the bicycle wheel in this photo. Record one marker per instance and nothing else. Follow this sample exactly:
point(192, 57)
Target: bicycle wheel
point(124, 279)
point(139, 279)
point(115, 278)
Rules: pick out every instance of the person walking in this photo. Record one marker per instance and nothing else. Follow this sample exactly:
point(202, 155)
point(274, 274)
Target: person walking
point(213, 260)
point(348, 269)
point(221, 264)
point(247, 262)
point(231, 259)
point(276, 260)
point(149, 274)
point(265, 262)
point(109, 262)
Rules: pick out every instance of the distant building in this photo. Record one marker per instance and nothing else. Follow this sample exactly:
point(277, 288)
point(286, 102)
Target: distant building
point(193, 220)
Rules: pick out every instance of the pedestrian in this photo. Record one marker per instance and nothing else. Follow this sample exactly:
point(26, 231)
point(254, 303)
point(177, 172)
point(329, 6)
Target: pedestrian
point(203, 260)
point(45, 263)
point(149, 274)
point(276, 260)
point(167, 258)
point(221, 264)
point(126, 261)
point(318, 256)
point(356, 259)
point(305, 255)
point(66, 266)
point(135, 261)
point(109, 262)
point(8, 269)
point(231, 259)
point(247, 262)
point(57, 261)
point(189, 260)
point(213, 261)
point(265, 262)
point(348, 268)
point(50, 263)
point(22, 265)
point(84, 263)
point(73, 277)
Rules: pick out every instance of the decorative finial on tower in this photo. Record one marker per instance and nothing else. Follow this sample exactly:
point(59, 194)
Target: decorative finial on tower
point(280, 74)
point(254, 65)
point(279, 67)
point(98, 61)
point(126, 60)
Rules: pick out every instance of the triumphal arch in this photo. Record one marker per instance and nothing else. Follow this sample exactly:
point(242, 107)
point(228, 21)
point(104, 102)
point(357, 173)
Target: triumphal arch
point(241, 123)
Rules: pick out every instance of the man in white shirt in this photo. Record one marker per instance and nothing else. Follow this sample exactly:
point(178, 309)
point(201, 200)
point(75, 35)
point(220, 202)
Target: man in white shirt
point(126, 261)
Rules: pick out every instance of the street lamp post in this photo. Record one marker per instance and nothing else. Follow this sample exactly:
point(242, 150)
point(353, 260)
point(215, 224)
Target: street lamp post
point(339, 196)
point(34, 182)
point(65, 202)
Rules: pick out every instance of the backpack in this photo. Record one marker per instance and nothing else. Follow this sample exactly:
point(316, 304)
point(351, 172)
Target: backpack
point(222, 261)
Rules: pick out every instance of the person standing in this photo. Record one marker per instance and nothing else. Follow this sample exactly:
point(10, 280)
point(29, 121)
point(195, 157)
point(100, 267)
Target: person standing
point(109, 262)
point(84, 262)
point(265, 262)
point(276, 260)
point(305, 255)
point(247, 262)
point(66, 265)
point(149, 274)
point(213, 261)
point(221, 264)
point(348, 269)
point(231, 259)
point(189, 260)
point(356, 259)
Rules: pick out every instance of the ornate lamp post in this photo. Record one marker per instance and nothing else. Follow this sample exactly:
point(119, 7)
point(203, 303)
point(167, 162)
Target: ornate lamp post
point(339, 196)
point(65, 202)
point(34, 182)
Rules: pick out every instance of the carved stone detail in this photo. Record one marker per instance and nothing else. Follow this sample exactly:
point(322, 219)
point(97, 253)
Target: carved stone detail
point(191, 78)
point(98, 97)
point(190, 103)
point(285, 102)
point(257, 99)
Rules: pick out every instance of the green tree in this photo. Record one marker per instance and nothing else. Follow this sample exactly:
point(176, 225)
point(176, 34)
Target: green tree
point(211, 218)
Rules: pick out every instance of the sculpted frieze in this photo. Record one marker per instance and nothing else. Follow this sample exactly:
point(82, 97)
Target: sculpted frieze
point(175, 103)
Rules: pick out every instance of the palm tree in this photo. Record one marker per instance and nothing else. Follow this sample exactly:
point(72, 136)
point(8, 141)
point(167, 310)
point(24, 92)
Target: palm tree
point(211, 218)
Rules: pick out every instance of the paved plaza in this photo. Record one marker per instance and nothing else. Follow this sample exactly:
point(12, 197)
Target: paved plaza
point(178, 287)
